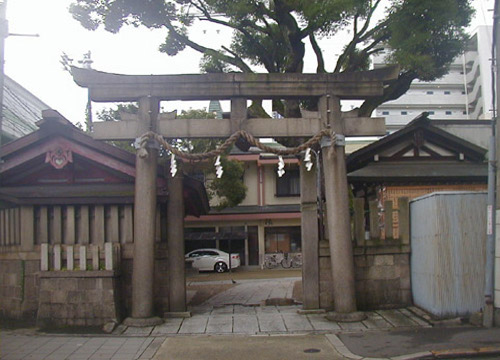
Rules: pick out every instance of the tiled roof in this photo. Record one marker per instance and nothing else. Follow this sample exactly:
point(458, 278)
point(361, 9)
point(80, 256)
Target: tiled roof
point(21, 110)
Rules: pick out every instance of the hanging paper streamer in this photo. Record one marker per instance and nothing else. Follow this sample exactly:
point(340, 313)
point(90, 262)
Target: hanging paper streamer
point(307, 159)
point(281, 166)
point(218, 168)
point(173, 165)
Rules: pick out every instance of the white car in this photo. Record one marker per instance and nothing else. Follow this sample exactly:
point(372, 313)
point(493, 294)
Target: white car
point(212, 259)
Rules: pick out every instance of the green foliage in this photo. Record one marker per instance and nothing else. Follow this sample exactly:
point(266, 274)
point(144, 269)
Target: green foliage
point(230, 188)
point(425, 35)
point(115, 114)
point(111, 114)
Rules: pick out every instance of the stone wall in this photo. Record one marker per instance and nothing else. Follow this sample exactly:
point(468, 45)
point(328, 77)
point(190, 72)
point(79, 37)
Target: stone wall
point(382, 277)
point(160, 291)
point(19, 288)
point(78, 298)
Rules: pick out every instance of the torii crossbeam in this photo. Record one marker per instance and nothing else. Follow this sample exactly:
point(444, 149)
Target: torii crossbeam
point(149, 90)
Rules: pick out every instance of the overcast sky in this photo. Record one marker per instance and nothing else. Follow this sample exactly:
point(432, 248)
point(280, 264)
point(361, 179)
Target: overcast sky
point(34, 61)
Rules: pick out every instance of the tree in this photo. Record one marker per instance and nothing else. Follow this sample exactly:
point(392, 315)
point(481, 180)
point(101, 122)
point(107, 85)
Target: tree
point(229, 189)
point(424, 35)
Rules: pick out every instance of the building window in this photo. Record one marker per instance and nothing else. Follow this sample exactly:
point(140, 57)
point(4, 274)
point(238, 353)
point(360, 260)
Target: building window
point(288, 184)
point(430, 92)
point(464, 112)
point(404, 112)
point(282, 239)
point(431, 112)
point(385, 112)
point(447, 92)
point(448, 112)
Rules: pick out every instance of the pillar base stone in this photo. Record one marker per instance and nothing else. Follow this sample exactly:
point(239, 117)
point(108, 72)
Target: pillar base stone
point(177, 314)
point(143, 322)
point(346, 317)
point(311, 311)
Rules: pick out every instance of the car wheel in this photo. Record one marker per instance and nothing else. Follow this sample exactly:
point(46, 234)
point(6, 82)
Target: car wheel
point(220, 267)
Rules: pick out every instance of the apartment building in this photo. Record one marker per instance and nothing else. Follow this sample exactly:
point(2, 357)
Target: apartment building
point(462, 94)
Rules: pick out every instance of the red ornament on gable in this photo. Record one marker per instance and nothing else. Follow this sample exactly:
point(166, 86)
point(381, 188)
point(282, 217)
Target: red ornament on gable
point(59, 157)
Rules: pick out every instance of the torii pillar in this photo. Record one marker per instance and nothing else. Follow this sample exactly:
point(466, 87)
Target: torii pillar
point(238, 87)
point(144, 225)
point(338, 217)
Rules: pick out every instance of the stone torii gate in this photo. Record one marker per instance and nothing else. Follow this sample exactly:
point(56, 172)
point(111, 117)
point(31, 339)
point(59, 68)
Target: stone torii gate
point(149, 90)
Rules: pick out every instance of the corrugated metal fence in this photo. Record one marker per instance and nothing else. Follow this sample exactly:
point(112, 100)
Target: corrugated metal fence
point(448, 235)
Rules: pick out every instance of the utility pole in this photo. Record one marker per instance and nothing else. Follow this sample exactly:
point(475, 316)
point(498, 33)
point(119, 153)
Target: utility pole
point(4, 32)
point(489, 286)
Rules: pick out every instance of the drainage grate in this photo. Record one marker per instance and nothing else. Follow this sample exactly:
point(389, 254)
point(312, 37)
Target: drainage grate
point(309, 351)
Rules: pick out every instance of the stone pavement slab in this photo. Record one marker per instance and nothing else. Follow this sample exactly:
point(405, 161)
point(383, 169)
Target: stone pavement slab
point(222, 324)
point(383, 344)
point(171, 326)
point(195, 325)
point(248, 348)
point(271, 323)
point(56, 347)
point(245, 324)
point(239, 319)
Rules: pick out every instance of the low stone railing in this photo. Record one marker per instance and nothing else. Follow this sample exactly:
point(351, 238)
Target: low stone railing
point(76, 257)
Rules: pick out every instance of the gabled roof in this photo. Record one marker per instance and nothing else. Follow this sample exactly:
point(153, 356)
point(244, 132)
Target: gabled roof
point(419, 136)
point(419, 151)
point(60, 164)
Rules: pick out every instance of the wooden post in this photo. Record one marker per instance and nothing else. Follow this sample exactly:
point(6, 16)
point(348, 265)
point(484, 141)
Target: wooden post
point(310, 237)
point(359, 221)
point(43, 226)
point(374, 228)
point(17, 226)
point(404, 220)
point(70, 258)
point(44, 257)
point(388, 219)
point(144, 225)
point(338, 217)
point(27, 228)
point(95, 257)
point(69, 233)
point(56, 237)
point(175, 245)
point(98, 236)
point(128, 225)
point(109, 262)
point(113, 226)
point(83, 225)
point(83, 257)
point(57, 257)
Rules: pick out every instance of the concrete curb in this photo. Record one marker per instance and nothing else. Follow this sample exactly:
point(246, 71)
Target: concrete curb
point(452, 354)
point(433, 354)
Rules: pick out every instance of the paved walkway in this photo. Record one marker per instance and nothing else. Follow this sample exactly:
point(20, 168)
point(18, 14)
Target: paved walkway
point(246, 331)
point(250, 292)
point(15, 346)
point(265, 320)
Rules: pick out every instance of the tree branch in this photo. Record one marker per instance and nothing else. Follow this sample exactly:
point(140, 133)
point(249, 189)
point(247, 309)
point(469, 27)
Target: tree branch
point(391, 92)
point(200, 48)
point(358, 37)
point(265, 59)
point(319, 54)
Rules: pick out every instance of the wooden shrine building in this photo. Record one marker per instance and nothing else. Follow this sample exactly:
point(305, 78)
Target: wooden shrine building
point(66, 204)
